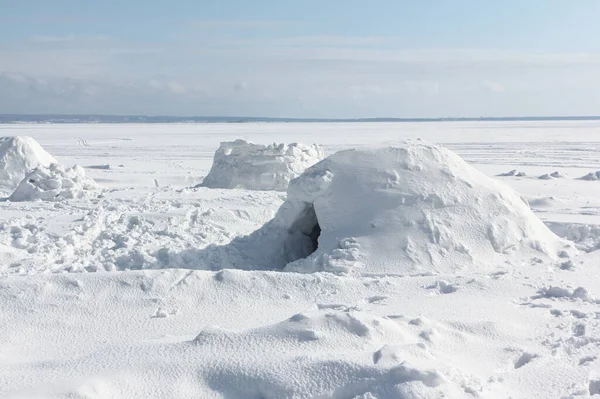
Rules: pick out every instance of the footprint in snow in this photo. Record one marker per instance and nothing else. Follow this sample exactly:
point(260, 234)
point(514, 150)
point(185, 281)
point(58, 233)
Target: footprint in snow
point(376, 299)
point(499, 274)
point(525, 359)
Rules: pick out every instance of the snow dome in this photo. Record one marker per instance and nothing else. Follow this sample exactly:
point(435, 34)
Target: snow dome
point(409, 209)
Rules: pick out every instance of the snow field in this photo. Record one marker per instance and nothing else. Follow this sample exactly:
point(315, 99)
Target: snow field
point(521, 322)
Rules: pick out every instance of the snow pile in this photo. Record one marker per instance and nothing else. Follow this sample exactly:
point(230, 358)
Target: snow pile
point(54, 183)
point(417, 208)
point(19, 155)
point(512, 173)
point(550, 176)
point(585, 236)
point(592, 176)
point(240, 164)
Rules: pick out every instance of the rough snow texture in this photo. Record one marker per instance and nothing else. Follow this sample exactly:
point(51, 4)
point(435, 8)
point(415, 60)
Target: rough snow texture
point(240, 164)
point(412, 209)
point(585, 236)
point(19, 155)
point(55, 183)
point(490, 331)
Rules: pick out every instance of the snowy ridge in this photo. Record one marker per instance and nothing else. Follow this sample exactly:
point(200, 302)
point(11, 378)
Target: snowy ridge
point(240, 164)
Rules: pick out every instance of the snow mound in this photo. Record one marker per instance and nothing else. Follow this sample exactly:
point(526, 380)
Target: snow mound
point(413, 209)
point(550, 176)
point(54, 183)
point(592, 176)
point(240, 164)
point(511, 173)
point(19, 155)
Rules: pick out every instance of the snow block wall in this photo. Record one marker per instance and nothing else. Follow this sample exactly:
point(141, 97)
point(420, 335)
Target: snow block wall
point(54, 183)
point(240, 164)
point(415, 208)
point(19, 155)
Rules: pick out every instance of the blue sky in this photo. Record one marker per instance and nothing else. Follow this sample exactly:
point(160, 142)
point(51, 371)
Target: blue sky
point(301, 58)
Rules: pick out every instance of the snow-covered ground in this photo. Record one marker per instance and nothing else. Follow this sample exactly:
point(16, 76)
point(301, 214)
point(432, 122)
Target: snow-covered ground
point(148, 324)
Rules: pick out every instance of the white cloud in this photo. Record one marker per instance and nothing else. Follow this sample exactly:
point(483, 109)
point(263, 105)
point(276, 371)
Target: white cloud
point(308, 76)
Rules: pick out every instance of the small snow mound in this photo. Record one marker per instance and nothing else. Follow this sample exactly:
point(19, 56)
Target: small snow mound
point(19, 155)
point(550, 176)
point(579, 293)
point(512, 173)
point(592, 176)
point(443, 287)
point(54, 183)
point(240, 164)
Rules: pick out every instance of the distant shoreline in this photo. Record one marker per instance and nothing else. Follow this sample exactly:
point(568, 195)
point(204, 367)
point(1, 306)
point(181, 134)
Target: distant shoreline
point(50, 119)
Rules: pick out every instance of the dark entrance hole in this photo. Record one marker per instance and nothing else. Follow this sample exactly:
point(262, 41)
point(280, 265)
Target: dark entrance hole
point(303, 235)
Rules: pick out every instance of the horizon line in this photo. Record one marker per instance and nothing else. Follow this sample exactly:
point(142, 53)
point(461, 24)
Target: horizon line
point(114, 118)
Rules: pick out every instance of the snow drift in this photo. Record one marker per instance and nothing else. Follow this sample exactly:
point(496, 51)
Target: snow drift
point(512, 173)
point(54, 183)
point(592, 176)
point(416, 208)
point(19, 155)
point(240, 164)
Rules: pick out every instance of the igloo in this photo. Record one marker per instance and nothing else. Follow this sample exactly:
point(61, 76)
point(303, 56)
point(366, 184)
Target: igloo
point(240, 164)
point(409, 209)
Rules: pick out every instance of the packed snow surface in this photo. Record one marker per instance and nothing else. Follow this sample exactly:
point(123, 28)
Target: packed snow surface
point(99, 299)
point(55, 183)
point(240, 164)
point(19, 155)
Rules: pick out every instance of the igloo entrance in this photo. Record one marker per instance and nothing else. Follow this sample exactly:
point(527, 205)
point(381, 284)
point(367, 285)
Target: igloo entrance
point(303, 235)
